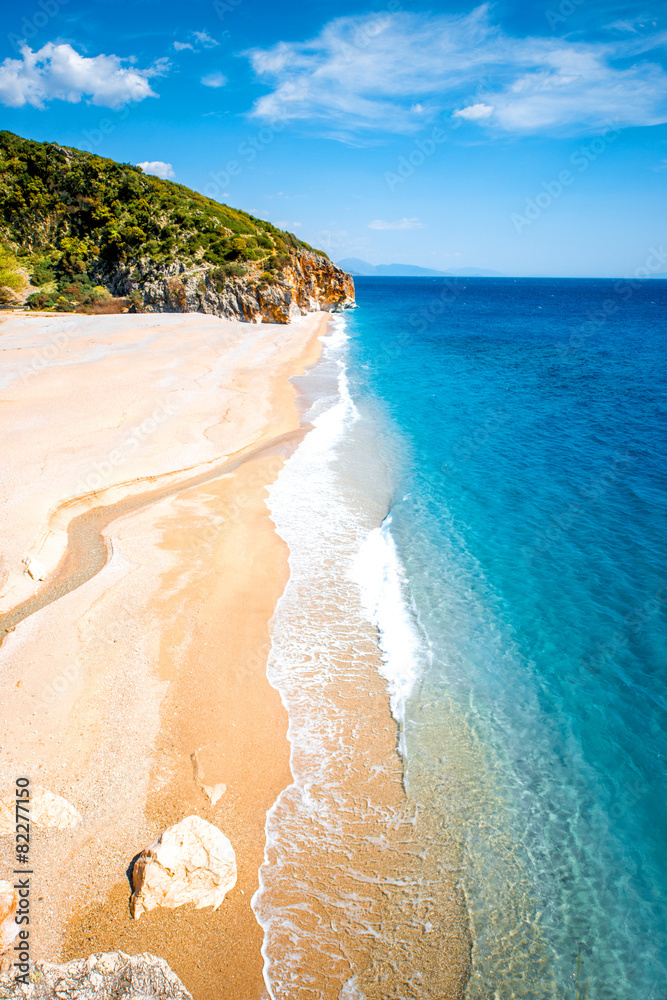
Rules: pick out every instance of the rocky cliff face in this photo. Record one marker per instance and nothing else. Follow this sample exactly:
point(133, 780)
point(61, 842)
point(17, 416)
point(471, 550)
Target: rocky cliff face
point(307, 283)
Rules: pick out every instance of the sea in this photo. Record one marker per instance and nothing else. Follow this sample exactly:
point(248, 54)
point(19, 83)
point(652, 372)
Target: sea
point(472, 649)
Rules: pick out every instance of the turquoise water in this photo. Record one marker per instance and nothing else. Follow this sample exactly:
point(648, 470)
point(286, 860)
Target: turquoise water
point(530, 521)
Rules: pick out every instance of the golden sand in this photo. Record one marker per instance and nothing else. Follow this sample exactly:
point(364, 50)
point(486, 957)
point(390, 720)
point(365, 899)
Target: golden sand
point(138, 453)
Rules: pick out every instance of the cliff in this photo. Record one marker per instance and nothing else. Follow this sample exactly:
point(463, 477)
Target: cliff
point(307, 282)
point(86, 228)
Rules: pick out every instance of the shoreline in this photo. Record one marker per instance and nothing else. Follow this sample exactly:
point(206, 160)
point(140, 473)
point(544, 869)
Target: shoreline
point(357, 873)
point(187, 676)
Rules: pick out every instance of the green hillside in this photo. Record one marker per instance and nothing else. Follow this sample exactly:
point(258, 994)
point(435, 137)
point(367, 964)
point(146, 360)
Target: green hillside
point(74, 219)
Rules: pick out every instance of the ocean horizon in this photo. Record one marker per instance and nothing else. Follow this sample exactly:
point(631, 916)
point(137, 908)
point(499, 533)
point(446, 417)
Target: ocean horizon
point(484, 486)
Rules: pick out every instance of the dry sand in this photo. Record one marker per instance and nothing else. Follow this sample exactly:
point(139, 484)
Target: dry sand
point(137, 450)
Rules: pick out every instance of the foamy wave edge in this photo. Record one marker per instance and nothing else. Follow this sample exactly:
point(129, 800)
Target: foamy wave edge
point(386, 599)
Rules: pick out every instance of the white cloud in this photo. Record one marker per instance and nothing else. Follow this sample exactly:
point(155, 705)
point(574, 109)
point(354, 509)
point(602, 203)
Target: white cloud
point(401, 224)
point(198, 38)
point(157, 167)
point(58, 72)
point(214, 80)
point(399, 72)
point(205, 39)
point(474, 112)
point(633, 24)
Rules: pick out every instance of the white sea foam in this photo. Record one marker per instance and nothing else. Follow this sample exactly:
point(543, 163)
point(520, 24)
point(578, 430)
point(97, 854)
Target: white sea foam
point(386, 599)
point(343, 885)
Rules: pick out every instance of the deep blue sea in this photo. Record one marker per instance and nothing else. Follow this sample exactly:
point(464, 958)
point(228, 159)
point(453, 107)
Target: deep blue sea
point(527, 419)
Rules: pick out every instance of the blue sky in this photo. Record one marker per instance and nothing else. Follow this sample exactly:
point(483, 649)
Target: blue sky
point(525, 137)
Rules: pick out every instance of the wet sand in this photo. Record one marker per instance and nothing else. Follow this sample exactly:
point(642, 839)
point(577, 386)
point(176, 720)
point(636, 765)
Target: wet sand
point(159, 651)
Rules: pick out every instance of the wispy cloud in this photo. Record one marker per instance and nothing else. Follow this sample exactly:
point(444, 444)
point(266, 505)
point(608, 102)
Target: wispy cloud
point(59, 73)
point(396, 72)
point(205, 39)
point(158, 168)
point(214, 80)
point(401, 224)
point(196, 40)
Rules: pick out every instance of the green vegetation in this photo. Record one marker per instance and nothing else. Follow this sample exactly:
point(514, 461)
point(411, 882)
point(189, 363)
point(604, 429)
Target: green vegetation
point(75, 221)
point(10, 279)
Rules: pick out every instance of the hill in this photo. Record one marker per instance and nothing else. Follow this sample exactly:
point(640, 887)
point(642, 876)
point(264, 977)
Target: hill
point(358, 267)
point(86, 227)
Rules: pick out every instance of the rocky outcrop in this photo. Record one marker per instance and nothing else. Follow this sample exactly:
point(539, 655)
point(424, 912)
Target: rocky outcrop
point(47, 810)
point(100, 977)
point(308, 282)
point(191, 862)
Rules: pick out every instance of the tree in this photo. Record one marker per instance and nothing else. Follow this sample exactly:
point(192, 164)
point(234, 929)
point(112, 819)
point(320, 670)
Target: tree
point(10, 279)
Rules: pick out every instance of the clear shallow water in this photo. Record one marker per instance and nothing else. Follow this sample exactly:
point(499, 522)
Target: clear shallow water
point(360, 895)
point(529, 518)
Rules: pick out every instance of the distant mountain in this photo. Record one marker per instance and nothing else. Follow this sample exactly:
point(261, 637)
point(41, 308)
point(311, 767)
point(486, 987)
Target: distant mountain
point(356, 266)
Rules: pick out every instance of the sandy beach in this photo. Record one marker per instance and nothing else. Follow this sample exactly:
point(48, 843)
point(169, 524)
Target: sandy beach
point(139, 573)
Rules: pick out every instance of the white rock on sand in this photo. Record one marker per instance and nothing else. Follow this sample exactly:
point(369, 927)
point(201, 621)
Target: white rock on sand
point(34, 568)
point(46, 809)
point(191, 862)
point(99, 977)
point(8, 928)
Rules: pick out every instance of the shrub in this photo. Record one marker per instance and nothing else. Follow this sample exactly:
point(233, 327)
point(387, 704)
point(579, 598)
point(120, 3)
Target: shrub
point(135, 301)
point(177, 294)
point(218, 277)
point(43, 273)
point(235, 270)
point(10, 278)
point(41, 300)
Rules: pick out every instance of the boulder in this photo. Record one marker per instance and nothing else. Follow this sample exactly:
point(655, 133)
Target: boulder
point(9, 899)
point(46, 810)
point(101, 977)
point(191, 862)
point(34, 568)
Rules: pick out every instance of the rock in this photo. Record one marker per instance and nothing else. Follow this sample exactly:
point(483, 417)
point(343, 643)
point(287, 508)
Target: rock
point(100, 977)
point(47, 810)
point(213, 792)
point(9, 900)
point(191, 862)
point(34, 568)
point(308, 282)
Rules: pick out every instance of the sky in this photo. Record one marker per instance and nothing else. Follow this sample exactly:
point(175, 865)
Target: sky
point(529, 138)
